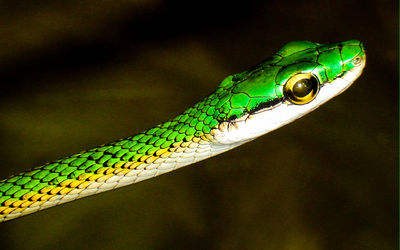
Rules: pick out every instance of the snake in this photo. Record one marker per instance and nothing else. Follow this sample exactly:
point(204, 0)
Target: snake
point(294, 81)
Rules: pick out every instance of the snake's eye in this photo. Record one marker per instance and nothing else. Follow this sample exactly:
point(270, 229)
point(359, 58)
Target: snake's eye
point(301, 88)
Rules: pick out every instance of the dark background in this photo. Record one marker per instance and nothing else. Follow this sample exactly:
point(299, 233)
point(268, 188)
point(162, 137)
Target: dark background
point(75, 74)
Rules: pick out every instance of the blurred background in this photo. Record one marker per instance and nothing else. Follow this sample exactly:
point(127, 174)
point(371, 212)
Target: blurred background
point(76, 74)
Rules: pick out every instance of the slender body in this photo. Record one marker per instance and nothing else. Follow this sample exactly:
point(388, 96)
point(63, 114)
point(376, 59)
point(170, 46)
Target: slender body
point(294, 81)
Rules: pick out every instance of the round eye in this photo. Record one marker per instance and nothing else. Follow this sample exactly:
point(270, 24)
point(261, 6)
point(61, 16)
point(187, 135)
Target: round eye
point(301, 88)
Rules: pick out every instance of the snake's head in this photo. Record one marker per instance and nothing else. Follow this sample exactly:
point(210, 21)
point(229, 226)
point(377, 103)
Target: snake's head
point(296, 80)
point(307, 67)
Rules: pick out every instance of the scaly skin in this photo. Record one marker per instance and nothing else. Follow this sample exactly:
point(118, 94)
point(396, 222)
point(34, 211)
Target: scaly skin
point(196, 134)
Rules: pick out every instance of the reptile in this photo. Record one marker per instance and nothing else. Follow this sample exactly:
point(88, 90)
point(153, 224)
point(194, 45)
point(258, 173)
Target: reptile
point(294, 81)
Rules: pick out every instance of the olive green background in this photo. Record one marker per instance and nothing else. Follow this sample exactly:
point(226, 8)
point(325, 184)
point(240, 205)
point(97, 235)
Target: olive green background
point(75, 74)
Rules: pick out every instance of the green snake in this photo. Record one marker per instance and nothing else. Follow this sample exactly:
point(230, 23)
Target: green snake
point(297, 79)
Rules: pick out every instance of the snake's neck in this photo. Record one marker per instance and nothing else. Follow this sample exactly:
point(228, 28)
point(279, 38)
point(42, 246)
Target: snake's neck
point(188, 138)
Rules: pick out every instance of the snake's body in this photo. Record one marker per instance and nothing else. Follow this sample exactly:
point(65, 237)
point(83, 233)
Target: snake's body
point(244, 106)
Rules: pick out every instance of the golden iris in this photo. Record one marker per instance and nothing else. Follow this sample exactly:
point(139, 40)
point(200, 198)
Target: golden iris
point(301, 88)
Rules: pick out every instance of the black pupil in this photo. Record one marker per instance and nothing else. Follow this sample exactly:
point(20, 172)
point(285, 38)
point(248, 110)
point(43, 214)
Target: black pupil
point(302, 88)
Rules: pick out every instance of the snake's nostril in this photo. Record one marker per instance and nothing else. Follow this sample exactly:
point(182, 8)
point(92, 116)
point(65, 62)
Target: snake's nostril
point(357, 61)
